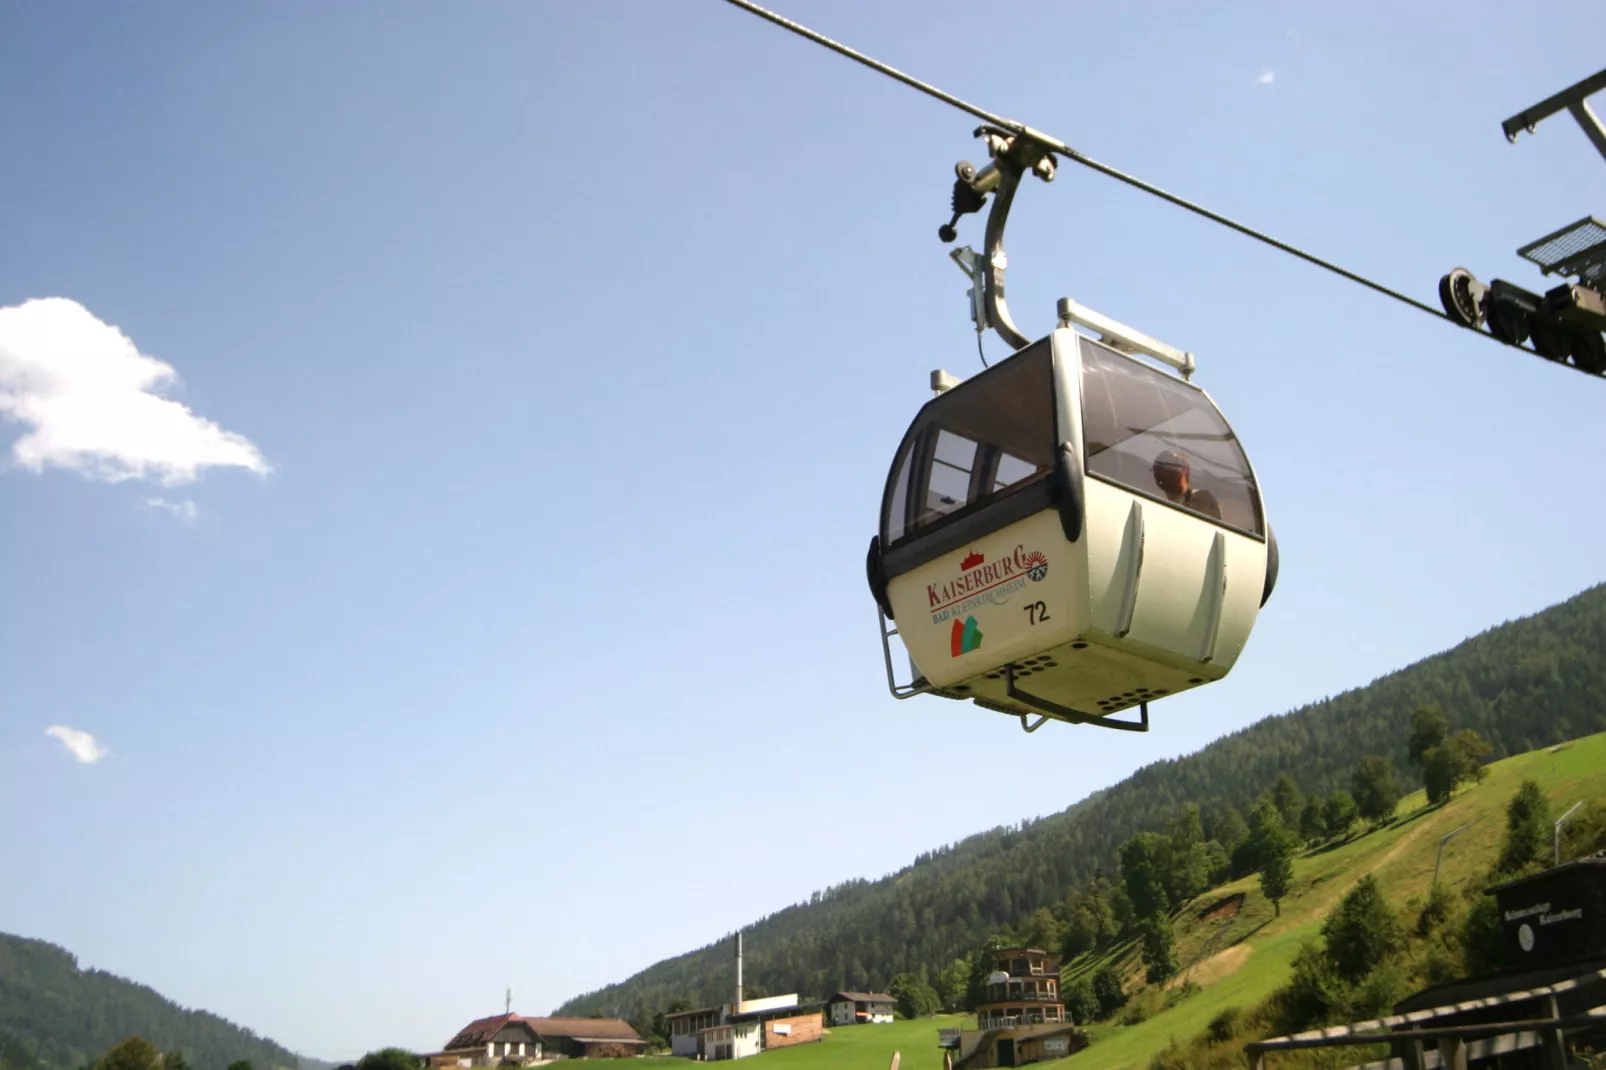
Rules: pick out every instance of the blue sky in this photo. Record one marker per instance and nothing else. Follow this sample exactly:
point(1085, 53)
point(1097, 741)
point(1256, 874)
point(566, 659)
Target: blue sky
point(566, 347)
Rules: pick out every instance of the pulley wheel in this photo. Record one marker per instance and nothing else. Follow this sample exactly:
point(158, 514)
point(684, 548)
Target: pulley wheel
point(1589, 351)
point(1455, 294)
point(1551, 339)
point(1507, 322)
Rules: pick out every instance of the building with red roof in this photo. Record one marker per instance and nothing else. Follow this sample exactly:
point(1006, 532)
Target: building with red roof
point(514, 1040)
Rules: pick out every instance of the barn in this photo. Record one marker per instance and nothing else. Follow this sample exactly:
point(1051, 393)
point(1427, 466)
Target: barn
point(514, 1039)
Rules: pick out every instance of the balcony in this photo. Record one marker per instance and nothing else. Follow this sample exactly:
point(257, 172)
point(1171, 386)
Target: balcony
point(1039, 991)
point(1017, 966)
point(1020, 1016)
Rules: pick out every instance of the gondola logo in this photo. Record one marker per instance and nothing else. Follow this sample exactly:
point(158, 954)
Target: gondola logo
point(965, 636)
point(981, 582)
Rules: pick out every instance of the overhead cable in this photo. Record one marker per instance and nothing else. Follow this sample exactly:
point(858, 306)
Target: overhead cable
point(1059, 147)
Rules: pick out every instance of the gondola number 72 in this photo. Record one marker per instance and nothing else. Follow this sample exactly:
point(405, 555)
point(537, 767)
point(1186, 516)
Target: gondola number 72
point(1036, 612)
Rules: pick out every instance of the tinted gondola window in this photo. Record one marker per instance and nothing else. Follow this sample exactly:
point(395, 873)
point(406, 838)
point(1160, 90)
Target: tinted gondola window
point(1151, 433)
point(983, 438)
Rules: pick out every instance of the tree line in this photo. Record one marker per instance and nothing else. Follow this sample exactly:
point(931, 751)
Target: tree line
point(1522, 685)
point(136, 1053)
point(132, 1053)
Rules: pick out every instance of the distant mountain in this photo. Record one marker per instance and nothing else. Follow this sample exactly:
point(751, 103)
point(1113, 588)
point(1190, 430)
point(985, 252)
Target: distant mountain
point(55, 1016)
point(1523, 685)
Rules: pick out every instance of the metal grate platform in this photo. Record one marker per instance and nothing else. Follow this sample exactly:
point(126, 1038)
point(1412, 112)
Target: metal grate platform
point(1577, 249)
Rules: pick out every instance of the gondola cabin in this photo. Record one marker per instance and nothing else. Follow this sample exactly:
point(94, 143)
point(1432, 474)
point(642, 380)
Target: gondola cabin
point(1071, 533)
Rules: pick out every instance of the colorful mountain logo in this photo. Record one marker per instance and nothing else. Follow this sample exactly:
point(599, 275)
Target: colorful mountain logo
point(1035, 564)
point(965, 636)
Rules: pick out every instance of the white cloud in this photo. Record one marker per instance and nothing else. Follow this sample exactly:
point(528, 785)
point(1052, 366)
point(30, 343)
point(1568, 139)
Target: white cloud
point(81, 745)
point(87, 397)
point(1267, 77)
point(185, 510)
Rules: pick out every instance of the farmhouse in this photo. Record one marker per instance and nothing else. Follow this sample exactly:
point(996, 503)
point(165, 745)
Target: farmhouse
point(849, 1008)
point(1021, 1020)
point(511, 1038)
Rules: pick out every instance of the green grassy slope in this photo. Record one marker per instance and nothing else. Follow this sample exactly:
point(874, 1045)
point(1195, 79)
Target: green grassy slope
point(1253, 957)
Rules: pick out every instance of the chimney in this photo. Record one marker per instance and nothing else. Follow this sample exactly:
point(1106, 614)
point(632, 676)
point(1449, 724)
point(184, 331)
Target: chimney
point(738, 971)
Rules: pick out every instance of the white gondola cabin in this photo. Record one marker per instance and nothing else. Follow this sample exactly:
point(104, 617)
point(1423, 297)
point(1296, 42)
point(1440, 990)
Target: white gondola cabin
point(1071, 533)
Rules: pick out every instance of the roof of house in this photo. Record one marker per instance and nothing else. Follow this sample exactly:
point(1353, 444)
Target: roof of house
point(482, 1030)
point(1052, 962)
point(585, 1028)
point(1508, 987)
point(1587, 862)
point(863, 997)
point(769, 1014)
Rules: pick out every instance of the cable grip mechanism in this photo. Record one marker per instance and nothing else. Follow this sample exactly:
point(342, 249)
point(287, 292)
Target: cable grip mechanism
point(1012, 155)
point(1005, 151)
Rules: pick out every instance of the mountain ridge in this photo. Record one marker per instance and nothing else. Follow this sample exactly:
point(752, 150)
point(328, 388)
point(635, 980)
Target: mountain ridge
point(55, 1013)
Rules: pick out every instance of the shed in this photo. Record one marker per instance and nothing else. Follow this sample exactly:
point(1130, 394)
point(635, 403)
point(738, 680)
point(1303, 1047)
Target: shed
point(1557, 915)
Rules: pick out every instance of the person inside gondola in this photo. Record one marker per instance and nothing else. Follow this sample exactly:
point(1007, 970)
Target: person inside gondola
point(1172, 473)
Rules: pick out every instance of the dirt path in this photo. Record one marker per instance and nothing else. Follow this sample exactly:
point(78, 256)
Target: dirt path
point(1314, 906)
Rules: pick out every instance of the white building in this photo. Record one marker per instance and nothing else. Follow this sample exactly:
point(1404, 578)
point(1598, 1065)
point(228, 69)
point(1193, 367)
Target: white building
point(861, 1008)
point(737, 1030)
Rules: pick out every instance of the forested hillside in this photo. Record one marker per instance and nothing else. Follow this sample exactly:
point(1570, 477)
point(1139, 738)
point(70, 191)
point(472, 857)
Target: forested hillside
point(54, 1016)
point(1522, 685)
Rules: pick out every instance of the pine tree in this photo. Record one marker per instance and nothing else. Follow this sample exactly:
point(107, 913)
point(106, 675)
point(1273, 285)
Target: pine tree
point(1108, 991)
point(1377, 788)
point(1276, 866)
point(1187, 864)
point(1339, 813)
point(1429, 728)
point(1159, 955)
point(1528, 827)
point(1143, 874)
point(1361, 932)
point(1311, 825)
point(1285, 794)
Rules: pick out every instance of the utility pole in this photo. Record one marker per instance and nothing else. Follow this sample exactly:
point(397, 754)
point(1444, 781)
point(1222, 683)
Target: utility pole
point(1442, 842)
point(1556, 857)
